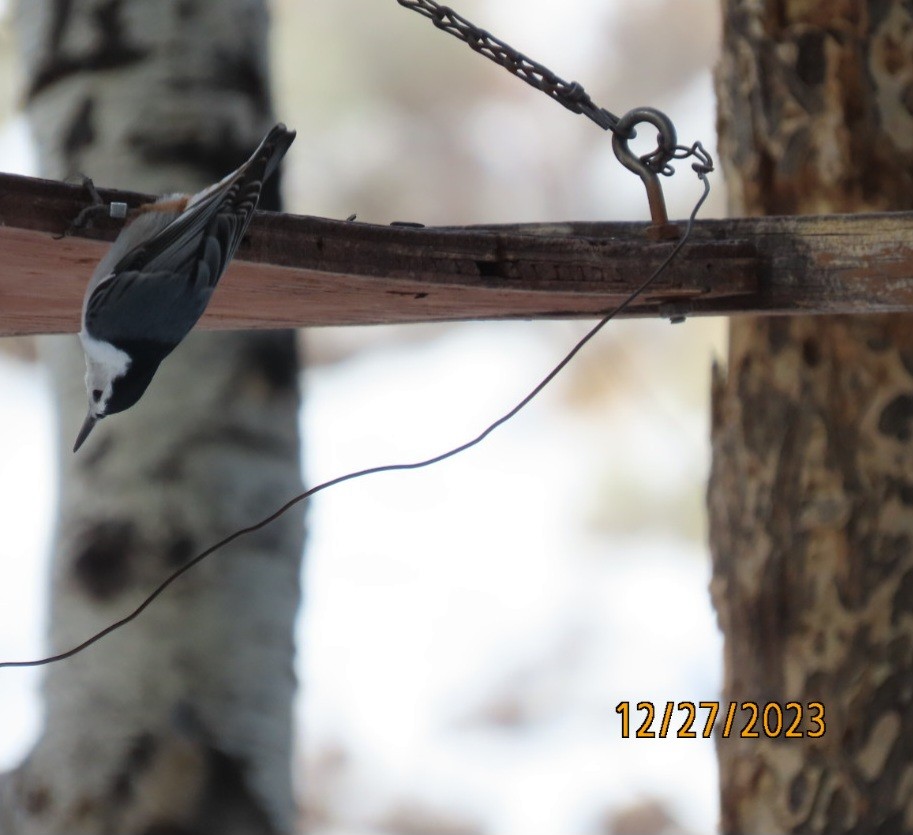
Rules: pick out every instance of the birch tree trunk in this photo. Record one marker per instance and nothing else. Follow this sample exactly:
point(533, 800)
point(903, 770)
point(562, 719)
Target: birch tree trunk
point(811, 490)
point(180, 722)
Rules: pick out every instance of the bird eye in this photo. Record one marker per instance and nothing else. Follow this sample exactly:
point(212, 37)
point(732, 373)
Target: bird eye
point(96, 394)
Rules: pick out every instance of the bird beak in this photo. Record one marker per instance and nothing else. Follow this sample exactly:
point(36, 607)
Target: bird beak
point(87, 425)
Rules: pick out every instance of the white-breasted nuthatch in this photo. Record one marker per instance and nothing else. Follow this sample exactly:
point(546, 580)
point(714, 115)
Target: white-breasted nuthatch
point(154, 283)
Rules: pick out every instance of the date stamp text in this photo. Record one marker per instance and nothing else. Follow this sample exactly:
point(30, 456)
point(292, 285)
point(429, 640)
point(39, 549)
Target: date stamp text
point(748, 720)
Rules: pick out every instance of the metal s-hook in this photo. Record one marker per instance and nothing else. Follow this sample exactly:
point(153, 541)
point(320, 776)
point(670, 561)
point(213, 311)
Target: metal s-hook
point(649, 166)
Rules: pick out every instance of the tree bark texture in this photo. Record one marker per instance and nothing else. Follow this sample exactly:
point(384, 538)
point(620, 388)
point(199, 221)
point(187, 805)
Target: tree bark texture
point(811, 488)
point(180, 722)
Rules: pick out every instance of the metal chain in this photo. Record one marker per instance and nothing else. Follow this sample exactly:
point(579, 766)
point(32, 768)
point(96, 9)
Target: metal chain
point(570, 94)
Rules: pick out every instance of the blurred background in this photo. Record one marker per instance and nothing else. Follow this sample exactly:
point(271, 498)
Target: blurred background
point(468, 630)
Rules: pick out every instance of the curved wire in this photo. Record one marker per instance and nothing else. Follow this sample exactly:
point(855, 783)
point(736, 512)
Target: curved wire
point(702, 171)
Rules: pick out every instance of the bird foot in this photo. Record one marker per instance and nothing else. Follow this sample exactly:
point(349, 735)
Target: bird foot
point(94, 209)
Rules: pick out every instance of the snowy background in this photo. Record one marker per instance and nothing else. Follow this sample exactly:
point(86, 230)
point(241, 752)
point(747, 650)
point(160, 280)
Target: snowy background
point(470, 628)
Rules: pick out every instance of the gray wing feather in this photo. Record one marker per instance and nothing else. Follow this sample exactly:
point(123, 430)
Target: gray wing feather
point(152, 306)
point(157, 283)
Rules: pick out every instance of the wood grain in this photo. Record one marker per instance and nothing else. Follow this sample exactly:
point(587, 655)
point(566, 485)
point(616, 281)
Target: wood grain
point(295, 271)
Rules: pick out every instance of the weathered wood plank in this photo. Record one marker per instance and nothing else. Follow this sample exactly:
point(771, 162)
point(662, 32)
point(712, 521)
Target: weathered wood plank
point(295, 271)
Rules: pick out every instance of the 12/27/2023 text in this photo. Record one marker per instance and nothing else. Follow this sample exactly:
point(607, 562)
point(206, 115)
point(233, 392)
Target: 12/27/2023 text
point(748, 720)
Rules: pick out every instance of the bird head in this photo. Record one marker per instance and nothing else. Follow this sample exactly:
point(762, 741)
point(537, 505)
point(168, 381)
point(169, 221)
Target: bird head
point(116, 378)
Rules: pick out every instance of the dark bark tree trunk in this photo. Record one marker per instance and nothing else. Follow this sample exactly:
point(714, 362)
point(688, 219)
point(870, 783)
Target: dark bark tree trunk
point(180, 722)
point(811, 488)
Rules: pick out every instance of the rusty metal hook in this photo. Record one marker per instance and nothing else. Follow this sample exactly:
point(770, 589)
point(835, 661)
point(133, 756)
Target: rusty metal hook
point(649, 166)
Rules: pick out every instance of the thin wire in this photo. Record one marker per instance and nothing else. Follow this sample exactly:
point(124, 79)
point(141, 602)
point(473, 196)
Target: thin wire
point(702, 171)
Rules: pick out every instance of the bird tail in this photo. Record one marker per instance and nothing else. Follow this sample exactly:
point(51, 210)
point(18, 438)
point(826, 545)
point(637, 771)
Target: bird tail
point(270, 151)
point(261, 164)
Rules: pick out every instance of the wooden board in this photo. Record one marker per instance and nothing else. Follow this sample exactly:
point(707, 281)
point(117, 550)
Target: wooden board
point(295, 271)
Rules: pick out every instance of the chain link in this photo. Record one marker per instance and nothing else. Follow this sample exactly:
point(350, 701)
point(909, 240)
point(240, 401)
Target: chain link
point(570, 94)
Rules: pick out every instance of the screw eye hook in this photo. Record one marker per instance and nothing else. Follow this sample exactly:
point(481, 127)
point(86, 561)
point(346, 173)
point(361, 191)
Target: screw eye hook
point(649, 166)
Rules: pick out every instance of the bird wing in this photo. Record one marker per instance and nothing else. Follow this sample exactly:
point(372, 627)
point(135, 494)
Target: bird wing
point(200, 242)
point(151, 306)
point(160, 287)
